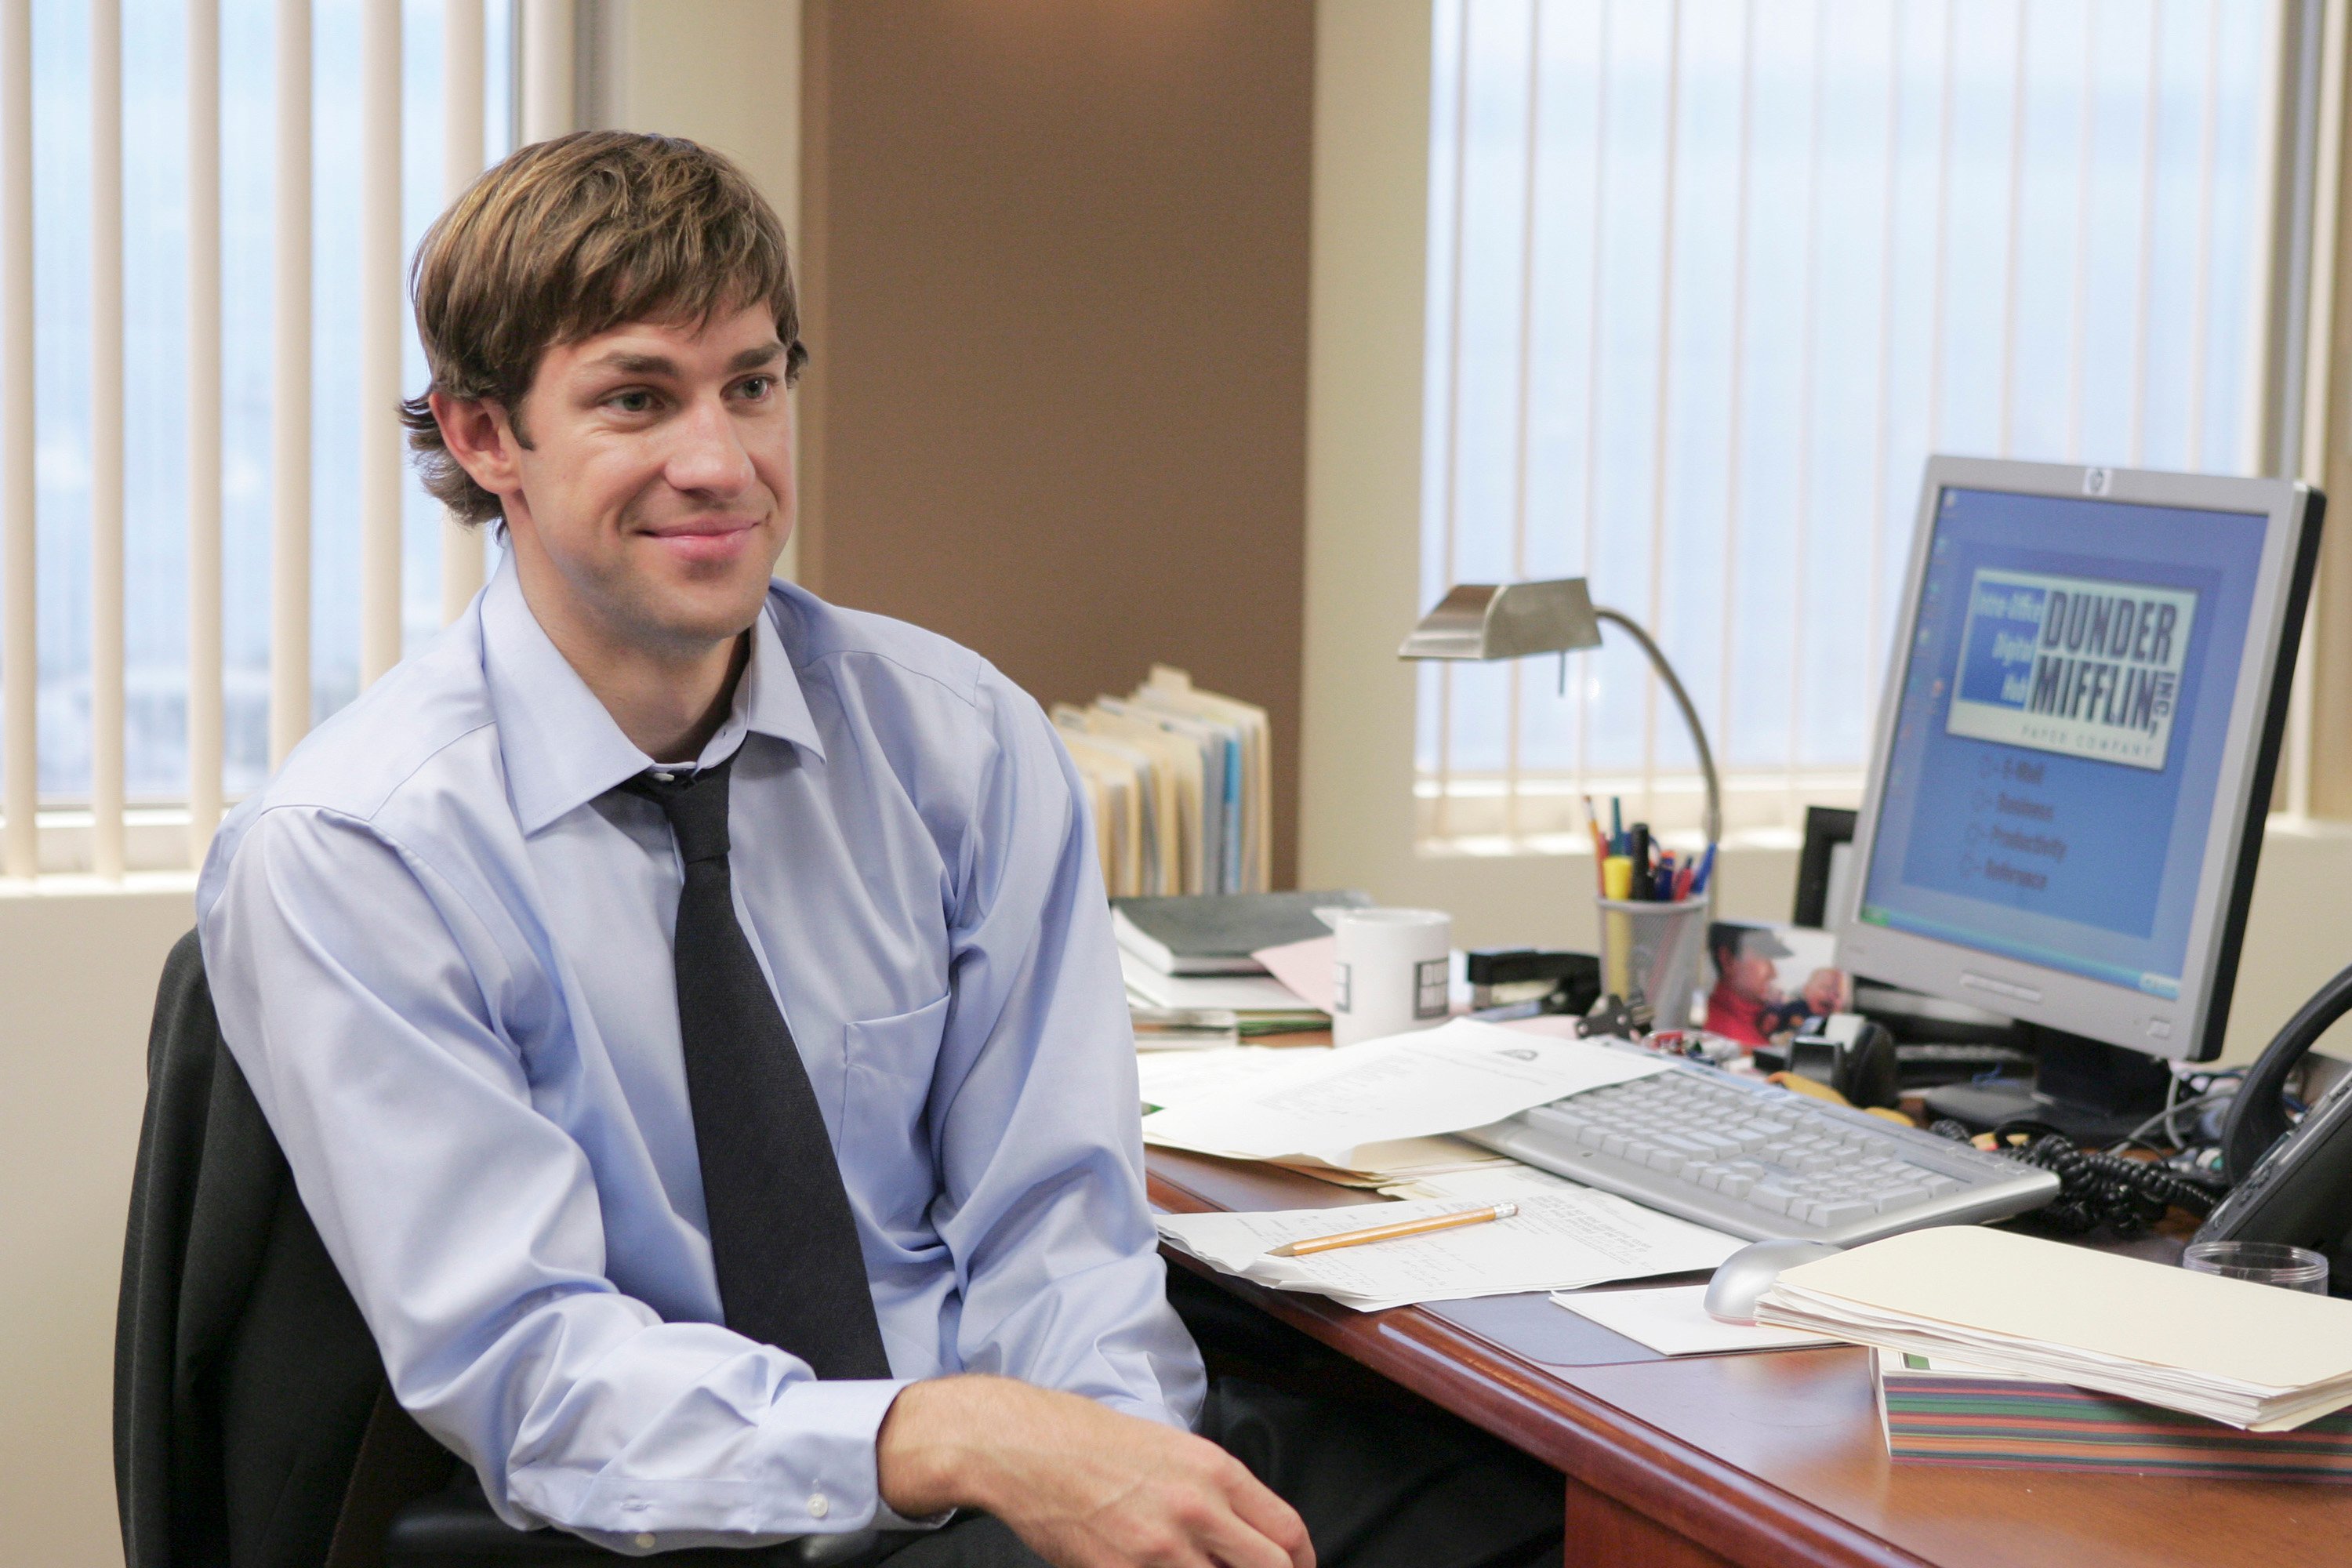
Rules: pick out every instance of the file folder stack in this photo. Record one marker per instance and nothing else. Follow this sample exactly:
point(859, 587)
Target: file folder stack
point(1936, 1411)
point(1179, 783)
point(2251, 1356)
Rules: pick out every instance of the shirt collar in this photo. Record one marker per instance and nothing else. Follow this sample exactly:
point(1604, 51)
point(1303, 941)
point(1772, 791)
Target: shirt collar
point(560, 745)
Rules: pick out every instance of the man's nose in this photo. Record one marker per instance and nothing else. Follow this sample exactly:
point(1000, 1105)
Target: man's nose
point(708, 455)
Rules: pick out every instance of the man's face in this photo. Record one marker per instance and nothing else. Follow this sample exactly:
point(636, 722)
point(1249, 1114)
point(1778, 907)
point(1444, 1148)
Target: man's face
point(1749, 975)
point(657, 492)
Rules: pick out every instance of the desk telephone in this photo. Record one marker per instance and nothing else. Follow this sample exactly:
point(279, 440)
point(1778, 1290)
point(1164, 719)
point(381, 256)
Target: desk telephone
point(2292, 1184)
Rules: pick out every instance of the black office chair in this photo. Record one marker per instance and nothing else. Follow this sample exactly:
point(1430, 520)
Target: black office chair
point(253, 1425)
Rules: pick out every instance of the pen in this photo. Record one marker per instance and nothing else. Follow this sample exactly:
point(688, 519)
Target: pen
point(1616, 821)
point(1640, 855)
point(1599, 846)
point(1706, 866)
point(1391, 1232)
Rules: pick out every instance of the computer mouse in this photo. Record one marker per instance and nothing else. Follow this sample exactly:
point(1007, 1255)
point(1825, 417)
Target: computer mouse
point(1747, 1273)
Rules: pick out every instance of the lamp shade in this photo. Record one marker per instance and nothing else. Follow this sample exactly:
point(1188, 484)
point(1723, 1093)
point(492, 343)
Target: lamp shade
point(1512, 620)
point(1507, 620)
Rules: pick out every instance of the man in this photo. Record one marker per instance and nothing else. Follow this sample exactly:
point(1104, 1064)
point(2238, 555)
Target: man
point(689, 1009)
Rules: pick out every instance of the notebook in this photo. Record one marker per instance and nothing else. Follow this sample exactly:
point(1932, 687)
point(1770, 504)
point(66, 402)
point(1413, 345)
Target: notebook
point(1217, 934)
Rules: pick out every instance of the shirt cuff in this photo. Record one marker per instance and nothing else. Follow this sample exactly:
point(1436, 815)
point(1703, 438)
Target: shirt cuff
point(822, 1482)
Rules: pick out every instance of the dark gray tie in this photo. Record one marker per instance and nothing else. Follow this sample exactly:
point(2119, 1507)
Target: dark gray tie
point(782, 1237)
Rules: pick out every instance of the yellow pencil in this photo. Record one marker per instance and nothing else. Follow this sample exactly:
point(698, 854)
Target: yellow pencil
point(1391, 1232)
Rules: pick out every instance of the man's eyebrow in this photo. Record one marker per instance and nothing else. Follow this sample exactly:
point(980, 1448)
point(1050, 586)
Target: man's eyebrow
point(629, 363)
point(635, 364)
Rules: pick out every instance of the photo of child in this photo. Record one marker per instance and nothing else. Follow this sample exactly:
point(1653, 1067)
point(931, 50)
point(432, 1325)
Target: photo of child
point(1751, 1003)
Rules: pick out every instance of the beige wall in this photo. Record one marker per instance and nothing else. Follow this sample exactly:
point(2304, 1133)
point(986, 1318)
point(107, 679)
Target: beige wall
point(724, 72)
point(1056, 286)
point(77, 973)
point(1363, 488)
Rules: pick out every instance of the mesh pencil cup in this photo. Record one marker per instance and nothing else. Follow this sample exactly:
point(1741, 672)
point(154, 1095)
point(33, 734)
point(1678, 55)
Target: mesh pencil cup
point(1650, 953)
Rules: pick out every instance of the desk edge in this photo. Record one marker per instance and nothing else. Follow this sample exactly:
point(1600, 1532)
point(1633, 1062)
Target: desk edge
point(1711, 1503)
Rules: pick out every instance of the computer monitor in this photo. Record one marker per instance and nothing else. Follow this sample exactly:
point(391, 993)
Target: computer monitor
point(2074, 760)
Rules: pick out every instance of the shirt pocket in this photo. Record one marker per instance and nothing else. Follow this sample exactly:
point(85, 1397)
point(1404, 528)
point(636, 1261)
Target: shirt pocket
point(887, 1085)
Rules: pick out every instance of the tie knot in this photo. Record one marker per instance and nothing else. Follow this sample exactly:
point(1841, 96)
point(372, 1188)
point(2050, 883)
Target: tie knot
point(695, 805)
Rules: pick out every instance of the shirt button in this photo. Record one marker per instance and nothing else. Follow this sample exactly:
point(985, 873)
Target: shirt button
point(818, 1507)
point(646, 1541)
point(665, 778)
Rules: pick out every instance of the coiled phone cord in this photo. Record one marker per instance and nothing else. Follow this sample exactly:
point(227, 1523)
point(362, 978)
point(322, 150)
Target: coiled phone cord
point(2095, 1188)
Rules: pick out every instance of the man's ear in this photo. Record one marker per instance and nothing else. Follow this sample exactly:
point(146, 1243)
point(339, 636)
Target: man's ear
point(479, 435)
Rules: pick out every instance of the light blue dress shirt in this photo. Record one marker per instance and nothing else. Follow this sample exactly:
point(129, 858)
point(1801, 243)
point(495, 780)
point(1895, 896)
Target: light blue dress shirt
point(440, 950)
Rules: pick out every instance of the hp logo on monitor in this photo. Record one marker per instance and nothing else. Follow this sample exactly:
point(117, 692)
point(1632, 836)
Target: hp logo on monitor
point(2094, 481)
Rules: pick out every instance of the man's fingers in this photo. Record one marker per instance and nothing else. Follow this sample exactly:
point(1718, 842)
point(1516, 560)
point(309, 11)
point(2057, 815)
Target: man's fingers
point(1232, 1542)
point(1257, 1506)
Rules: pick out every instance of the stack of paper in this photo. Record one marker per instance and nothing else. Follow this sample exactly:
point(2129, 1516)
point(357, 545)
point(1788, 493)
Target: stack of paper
point(1407, 1161)
point(1185, 1077)
point(1501, 1180)
point(1178, 785)
point(1322, 1107)
point(1260, 1004)
point(2250, 1355)
point(1555, 1242)
point(1220, 934)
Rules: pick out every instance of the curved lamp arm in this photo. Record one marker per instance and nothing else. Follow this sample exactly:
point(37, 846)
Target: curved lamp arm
point(1690, 715)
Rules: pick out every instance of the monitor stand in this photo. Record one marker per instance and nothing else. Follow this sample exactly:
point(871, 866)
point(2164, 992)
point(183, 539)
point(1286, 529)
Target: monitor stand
point(2094, 1092)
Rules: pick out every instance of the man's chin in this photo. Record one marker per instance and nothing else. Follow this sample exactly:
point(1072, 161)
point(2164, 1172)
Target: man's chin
point(691, 621)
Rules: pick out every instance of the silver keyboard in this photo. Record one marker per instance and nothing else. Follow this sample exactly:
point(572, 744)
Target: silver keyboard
point(1747, 1157)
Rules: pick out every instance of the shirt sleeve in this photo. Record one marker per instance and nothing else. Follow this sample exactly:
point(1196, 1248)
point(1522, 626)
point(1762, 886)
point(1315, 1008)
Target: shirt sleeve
point(1037, 1118)
point(362, 996)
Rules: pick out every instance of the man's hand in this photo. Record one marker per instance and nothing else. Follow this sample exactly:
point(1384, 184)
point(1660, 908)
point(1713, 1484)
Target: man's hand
point(1085, 1486)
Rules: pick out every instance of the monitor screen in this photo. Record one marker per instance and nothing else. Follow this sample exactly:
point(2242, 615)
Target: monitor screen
point(2061, 729)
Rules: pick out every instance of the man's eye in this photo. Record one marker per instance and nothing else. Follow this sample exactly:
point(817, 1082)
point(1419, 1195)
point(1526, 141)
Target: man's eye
point(758, 386)
point(632, 402)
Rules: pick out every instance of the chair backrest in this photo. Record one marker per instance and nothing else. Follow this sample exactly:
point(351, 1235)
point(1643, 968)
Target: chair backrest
point(247, 1390)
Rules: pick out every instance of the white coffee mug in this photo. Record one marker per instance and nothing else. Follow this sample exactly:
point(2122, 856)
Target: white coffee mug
point(1389, 973)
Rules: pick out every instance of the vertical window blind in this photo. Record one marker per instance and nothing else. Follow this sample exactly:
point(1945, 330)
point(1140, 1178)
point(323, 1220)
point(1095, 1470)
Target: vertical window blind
point(209, 537)
point(1708, 279)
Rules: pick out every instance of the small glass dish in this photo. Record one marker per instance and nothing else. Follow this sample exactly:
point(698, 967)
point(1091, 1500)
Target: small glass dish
point(2263, 1262)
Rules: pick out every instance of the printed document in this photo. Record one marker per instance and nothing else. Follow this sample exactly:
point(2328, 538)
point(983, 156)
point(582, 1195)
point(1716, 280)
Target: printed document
point(1464, 1074)
point(1186, 1077)
point(1557, 1241)
point(1502, 1181)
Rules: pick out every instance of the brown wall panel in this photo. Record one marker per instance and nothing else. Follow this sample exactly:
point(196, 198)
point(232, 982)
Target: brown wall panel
point(1056, 258)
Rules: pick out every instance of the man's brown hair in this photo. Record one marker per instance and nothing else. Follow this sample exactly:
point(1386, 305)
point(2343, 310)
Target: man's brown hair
point(572, 236)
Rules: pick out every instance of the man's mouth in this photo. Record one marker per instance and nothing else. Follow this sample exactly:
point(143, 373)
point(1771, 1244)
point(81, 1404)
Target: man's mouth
point(705, 540)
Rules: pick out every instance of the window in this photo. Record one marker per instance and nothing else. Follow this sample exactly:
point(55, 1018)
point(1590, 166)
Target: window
point(152, 97)
point(1708, 279)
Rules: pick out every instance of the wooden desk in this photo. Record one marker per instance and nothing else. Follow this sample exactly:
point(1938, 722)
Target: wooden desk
point(1769, 1459)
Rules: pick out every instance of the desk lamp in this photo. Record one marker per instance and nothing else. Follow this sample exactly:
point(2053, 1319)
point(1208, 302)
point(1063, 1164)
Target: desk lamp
point(1513, 620)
